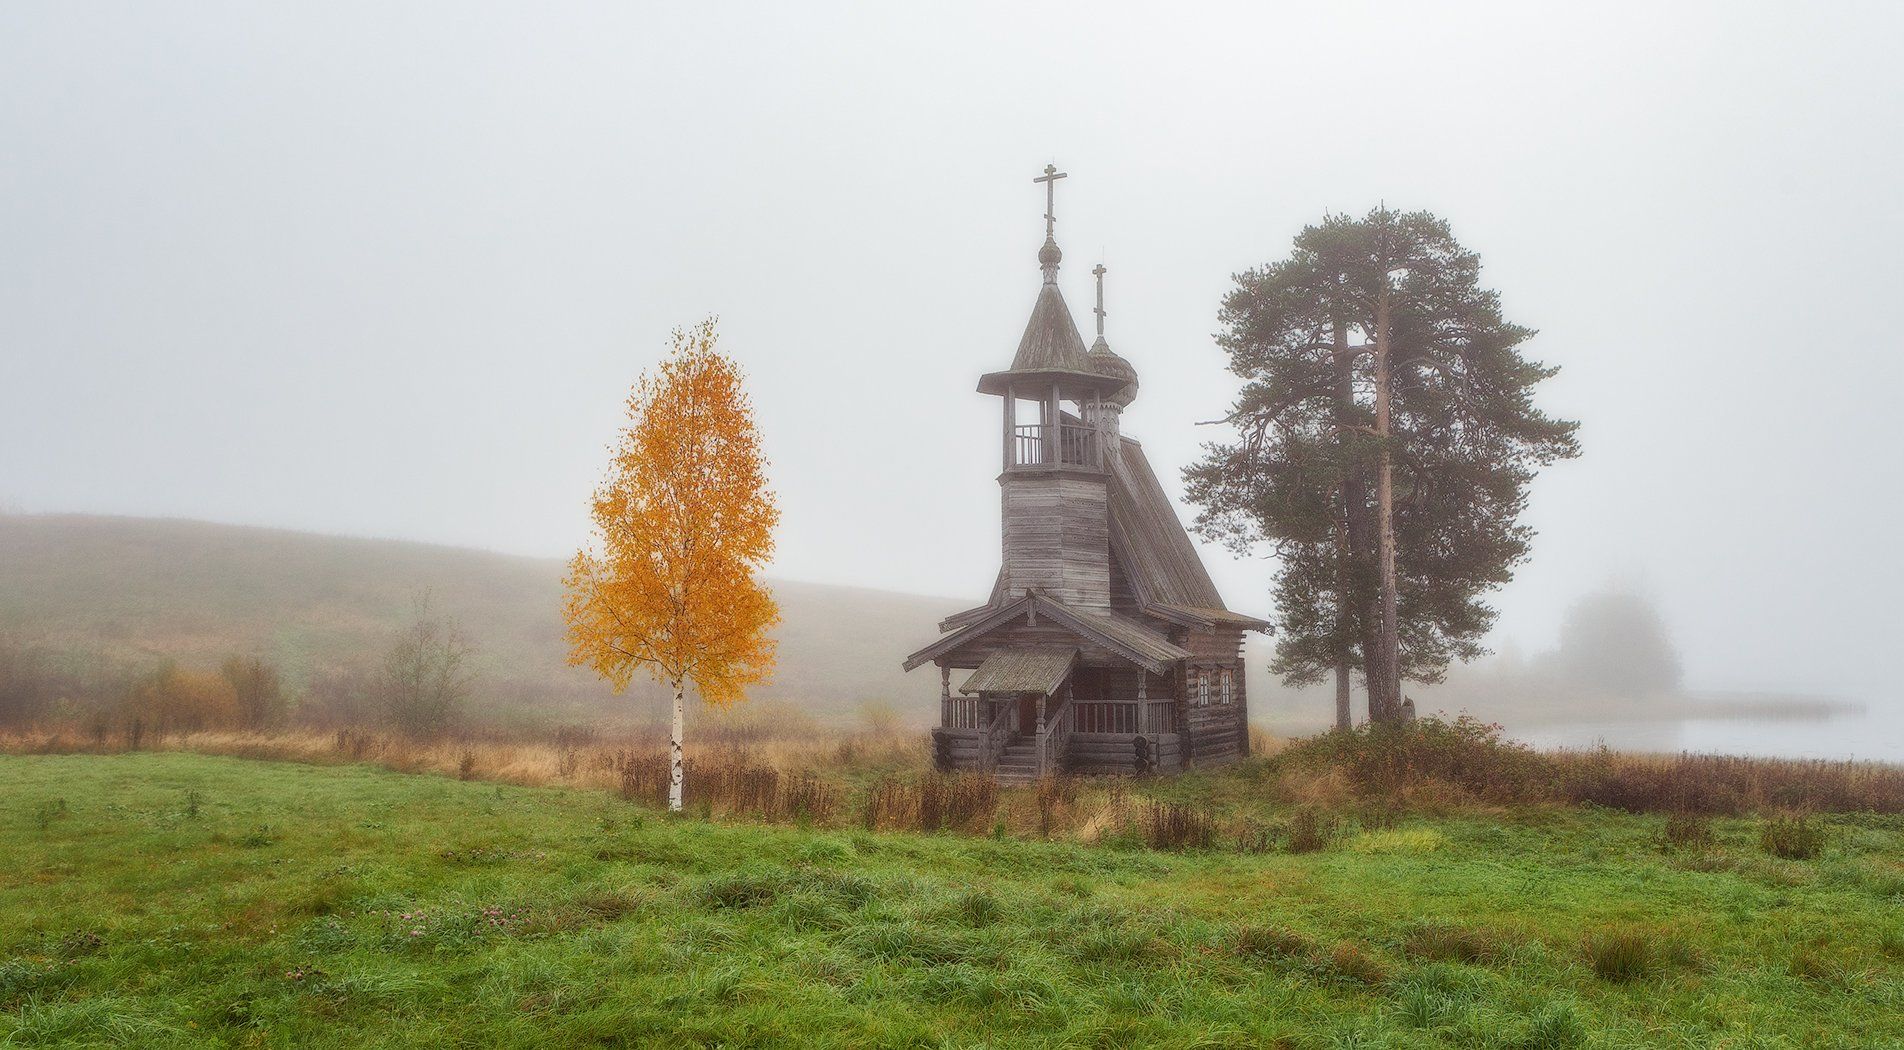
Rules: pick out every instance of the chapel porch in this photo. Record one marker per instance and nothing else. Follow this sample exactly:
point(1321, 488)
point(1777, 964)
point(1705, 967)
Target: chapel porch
point(1030, 713)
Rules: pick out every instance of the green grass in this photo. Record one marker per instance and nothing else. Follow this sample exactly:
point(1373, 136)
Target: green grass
point(173, 899)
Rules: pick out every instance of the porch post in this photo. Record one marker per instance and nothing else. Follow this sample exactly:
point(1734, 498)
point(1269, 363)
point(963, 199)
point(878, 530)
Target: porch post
point(1143, 702)
point(945, 695)
point(1011, 426)
point(1041, 735)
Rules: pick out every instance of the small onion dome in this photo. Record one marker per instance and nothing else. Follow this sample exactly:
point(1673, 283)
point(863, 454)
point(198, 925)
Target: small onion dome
point(1106, 363)
point(1049, 256)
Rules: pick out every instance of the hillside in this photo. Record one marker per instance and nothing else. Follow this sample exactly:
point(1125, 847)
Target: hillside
point(142, 590)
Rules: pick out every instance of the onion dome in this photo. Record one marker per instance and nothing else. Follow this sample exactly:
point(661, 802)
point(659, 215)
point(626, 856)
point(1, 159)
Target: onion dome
point(1048, 259)
point(1106, 362)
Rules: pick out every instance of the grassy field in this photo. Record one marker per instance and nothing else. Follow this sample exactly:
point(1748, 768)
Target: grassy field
point(166, 898)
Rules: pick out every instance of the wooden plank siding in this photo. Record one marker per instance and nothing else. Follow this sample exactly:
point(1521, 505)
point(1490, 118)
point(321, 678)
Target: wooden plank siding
point(1057, 537)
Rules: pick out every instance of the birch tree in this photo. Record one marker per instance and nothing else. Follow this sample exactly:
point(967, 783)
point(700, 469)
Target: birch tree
point(683, 523)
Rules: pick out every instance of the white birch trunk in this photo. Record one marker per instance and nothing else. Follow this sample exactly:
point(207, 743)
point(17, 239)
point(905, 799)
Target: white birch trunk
point(674, 755)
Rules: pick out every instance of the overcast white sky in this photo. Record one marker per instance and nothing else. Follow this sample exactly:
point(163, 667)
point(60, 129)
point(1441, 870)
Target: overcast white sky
point(389, 270)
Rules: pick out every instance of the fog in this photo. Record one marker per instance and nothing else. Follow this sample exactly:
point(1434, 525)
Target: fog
point(389, 271)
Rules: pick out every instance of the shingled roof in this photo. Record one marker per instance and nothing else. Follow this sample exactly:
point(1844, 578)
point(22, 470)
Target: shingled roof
point(1126, 637)
point(1051, 341)
point(1051, 350)
point(1144, 530)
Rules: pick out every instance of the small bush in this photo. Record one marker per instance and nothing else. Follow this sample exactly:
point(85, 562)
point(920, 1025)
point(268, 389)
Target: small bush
point(1350, 960)
point(1309, 830)
point(978, 908)
point(1620, 955)
point(1792, 838)
point(1686, 831)
point(1466, 754)
point(739, 890)
point(933, 802)
point(1556, 1026)
point(47, 812)
point(1445, 943)
point(1810, 963)
point(1169, 826)
point(1271, 942)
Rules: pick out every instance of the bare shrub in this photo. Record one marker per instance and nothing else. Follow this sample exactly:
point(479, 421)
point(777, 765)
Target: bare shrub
point(1686, 831)
point(1792, 838)
point(426, 675)
point(1169, 826)
point(1309, 830)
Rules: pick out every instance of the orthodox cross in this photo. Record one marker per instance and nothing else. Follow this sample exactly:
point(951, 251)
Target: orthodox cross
point(1099, 274)
point(1050, 179)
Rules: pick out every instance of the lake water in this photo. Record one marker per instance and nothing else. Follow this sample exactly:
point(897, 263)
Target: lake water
point(1874, 734)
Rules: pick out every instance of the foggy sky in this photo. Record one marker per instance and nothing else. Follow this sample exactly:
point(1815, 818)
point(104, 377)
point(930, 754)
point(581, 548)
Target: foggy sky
point(389, 270)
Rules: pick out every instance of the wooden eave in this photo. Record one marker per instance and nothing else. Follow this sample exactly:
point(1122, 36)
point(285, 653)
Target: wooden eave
point(1121, 635)
point(1191, 616)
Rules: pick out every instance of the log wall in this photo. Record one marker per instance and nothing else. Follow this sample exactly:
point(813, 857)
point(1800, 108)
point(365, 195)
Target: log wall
point(1057, 537)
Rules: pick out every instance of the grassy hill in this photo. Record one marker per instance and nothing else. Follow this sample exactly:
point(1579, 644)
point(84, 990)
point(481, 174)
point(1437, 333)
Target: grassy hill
point(181, 900)
point(141, 590)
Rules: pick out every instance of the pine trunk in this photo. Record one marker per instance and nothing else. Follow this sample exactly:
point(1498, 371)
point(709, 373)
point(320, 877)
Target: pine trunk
point(674, 751)
point(1384, 678)
point(1349, 492)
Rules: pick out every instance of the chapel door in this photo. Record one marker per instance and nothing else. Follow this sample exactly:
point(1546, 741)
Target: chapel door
point(1028, 714)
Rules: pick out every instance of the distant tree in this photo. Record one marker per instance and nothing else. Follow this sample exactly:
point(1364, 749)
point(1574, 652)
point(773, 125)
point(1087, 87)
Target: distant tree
point(683, 523)
point(340, 698)
point(26, 687)
point(173, 699)
point(426, 676)
point(1387, 435)
point(259, 690)
point(1615, 642)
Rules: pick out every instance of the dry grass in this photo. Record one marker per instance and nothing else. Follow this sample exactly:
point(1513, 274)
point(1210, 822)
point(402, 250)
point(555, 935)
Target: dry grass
point(1463, 762)
point(569, 759)
point(1318, 790)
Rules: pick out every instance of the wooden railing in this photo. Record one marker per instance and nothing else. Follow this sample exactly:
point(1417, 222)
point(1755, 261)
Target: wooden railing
point(1163, 716)
point(995, 734)
point(1108, 717)
point(1034, 445)
point(963, 712)
point(1055, 736)
point(1127, 716)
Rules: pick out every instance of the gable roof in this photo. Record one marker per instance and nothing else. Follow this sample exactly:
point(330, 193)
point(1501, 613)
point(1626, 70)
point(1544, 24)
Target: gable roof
point(1036, 670)
point(1121, 635)
point(1157, 552)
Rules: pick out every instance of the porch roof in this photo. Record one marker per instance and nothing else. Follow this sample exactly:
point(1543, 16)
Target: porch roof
point(1036, 670)
point(1126, 637)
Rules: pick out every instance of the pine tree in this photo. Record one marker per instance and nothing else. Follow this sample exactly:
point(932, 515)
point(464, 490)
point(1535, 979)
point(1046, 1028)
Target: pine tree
point(1306, 470)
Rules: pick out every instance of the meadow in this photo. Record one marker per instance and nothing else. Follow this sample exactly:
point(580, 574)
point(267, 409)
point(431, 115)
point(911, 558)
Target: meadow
point(177, 898)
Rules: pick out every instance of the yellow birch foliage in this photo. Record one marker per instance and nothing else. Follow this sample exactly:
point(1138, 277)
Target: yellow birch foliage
point(683, 523)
